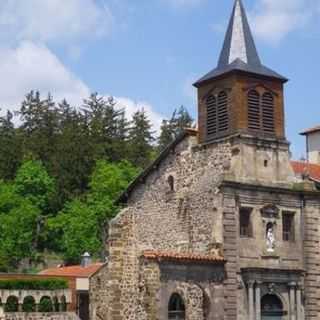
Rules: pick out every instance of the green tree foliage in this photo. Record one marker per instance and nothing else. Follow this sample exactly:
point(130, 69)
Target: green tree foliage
point(18, 224)
point(10, 147)
point(61, 169)
point(171, 129)
point(82, 223)
point(34, 184)
point(140, 139)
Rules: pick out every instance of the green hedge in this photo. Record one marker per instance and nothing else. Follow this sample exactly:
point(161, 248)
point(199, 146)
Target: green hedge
point(48, 284)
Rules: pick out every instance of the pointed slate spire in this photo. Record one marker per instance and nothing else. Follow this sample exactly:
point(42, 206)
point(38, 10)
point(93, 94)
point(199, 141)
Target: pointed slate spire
point(239, 52)
point(239, 43)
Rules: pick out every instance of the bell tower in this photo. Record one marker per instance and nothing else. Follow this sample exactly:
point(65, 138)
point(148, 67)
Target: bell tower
point(241, 95)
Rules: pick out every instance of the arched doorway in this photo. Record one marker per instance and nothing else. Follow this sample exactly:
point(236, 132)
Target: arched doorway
point(271, 308)
point(176, 308)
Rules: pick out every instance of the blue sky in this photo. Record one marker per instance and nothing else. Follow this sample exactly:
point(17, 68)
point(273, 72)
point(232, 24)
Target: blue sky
point(147, 53)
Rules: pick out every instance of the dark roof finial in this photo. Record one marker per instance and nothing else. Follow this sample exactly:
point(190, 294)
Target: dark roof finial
point(239, 50)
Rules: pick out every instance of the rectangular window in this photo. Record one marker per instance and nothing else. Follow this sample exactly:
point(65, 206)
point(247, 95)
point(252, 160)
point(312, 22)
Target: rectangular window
point(288, 226)
point(245, 223)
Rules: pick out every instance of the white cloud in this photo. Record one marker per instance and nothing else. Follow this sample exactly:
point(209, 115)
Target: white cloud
point(35, 67)
point(274, 19)
point(132, 106)
point(53, 20)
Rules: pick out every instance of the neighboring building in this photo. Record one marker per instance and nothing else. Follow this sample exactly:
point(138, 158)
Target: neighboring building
point(222, 226)
point(313, 144)
point(60, 299)
point(79, 275)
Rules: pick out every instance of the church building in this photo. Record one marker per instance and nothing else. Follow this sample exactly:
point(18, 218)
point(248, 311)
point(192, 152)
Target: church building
point(223, 225)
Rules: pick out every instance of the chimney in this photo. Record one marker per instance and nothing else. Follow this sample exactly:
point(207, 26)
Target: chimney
point(85, 260)
point(312, 144)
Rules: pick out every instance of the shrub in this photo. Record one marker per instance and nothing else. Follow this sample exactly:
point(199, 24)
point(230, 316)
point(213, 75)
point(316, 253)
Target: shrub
point(47, 284)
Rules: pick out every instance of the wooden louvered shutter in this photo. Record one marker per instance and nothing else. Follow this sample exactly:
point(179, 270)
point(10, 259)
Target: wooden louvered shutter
point(254, 122)
point(223, 115)
point(212, 116)
point(268, 112)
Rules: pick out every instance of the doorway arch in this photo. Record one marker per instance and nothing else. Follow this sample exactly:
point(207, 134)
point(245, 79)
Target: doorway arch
point(271, 307)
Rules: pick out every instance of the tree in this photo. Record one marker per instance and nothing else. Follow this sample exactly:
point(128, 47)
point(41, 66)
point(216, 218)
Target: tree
point(39, 128)
point(10, 147)
point(107, 126)
point(140, 140)
point(33, 183)
point(81, 225)
point(171, 129)
point(18, 221)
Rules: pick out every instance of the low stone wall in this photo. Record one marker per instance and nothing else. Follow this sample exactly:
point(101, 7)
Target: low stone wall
point(39, 316)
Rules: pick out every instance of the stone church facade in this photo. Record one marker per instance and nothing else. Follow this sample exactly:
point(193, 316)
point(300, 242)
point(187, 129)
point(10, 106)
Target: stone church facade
point(220, 226)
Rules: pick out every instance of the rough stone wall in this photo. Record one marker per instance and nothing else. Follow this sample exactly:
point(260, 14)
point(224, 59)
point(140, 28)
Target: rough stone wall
point(157, 218)
point(199, 216)
point(98, 291)
point(183, 219)
point(312, 258)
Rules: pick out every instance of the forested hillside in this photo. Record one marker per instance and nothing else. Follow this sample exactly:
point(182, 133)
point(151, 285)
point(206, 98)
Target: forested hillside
point(61, 169)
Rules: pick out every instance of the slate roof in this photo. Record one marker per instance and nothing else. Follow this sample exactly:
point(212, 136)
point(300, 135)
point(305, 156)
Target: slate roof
point(185, 257)
point(311, 130)
point(73, 271)
point(239, 52)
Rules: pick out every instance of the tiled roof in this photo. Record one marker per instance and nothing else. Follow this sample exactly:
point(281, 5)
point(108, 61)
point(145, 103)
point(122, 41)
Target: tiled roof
point(311, 130)
point(187, 257)
point(73, 271)
point(312, 170)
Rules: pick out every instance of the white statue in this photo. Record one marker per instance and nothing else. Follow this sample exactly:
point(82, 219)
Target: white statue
point(270, 239)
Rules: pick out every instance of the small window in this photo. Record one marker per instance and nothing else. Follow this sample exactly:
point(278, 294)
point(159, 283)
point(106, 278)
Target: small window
point(288, 226)
point(176, 308)
point(171, 183)
point(245, 223)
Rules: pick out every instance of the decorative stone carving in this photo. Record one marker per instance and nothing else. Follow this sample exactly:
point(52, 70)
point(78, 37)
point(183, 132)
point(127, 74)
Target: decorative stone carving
point(270, 238)
point(270, 211)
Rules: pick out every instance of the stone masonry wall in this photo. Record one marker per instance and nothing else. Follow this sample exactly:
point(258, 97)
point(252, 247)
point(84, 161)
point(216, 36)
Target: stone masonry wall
point(312, 258)
point(157, 218)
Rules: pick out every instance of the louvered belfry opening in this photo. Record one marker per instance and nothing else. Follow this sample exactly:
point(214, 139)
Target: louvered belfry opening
point(268, 112)
point(253, 110)
point(261, 112)
point(217, 114)
point(223, 116)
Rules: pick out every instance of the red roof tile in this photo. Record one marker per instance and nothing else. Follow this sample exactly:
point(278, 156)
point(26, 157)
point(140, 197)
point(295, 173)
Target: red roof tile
point(73, 271)
point(311, 130)
point(313, 170)
point(177, 256)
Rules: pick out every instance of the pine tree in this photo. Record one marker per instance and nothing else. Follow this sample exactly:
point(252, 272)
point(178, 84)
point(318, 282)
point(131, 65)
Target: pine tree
point(171, 129)
point(10, 148)
point(140, 140)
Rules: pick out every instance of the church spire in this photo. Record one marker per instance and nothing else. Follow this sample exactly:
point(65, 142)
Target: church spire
point(239, 43)
point(239, 52)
